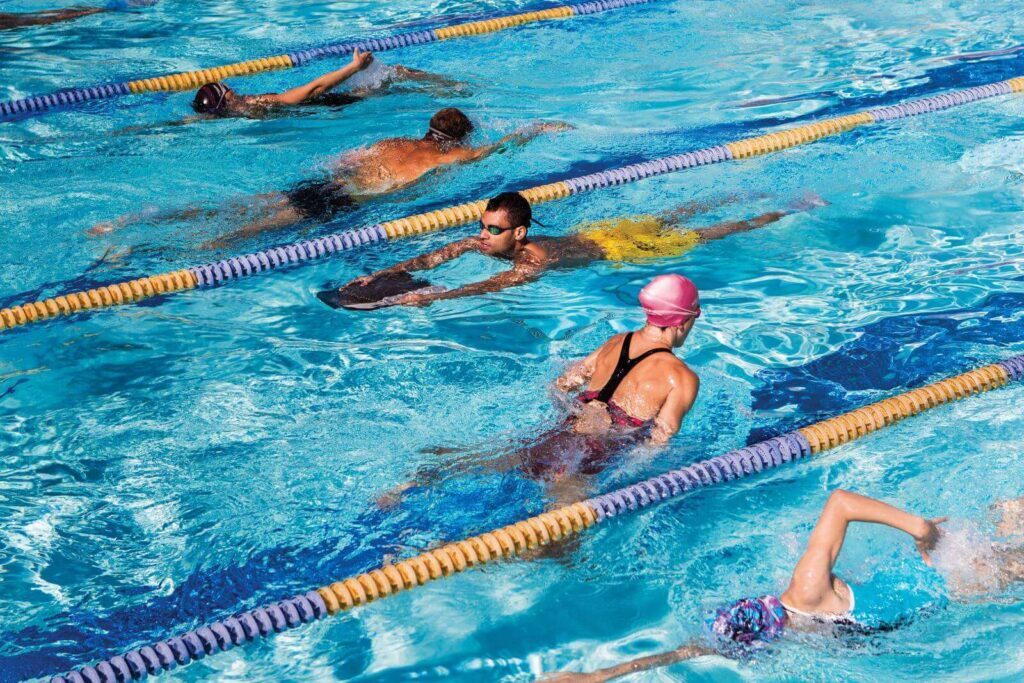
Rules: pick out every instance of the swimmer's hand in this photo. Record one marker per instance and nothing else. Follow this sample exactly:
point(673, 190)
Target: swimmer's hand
point(553, 127)
point(364, 280)
point(361, 60)
point(414, 299)
point(927, 536)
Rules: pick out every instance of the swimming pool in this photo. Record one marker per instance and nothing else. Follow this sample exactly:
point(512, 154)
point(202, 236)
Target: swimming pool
point(165, 465)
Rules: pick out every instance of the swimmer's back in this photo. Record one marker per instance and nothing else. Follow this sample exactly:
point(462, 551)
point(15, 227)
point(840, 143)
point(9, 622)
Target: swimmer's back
point(395, 162)
point(646, 387)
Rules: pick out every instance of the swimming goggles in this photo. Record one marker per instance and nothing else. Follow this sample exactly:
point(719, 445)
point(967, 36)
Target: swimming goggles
point(494, 229)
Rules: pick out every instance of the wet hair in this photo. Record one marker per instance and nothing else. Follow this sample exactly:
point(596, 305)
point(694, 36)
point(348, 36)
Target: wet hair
point(449, 125)
point(210, 98)
point(515, 207)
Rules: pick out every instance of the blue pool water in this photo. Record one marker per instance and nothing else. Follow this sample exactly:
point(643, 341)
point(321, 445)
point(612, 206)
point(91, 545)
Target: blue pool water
point(164, 465)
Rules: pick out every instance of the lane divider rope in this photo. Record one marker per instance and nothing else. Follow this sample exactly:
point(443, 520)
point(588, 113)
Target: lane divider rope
point(540, 530)
point(190, 80)
point(236, 267)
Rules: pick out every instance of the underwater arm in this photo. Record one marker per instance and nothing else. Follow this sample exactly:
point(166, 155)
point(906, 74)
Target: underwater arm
point(680, 654)
point(319, 86)
point(578, 374)
point(518, 138)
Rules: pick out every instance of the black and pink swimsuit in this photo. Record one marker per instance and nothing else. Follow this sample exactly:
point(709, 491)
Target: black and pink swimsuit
point(563, 451)
point(619, 416)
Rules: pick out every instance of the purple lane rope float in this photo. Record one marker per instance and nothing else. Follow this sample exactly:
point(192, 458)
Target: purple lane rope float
point(189, 80)
point(549, 527)
point(237, 267)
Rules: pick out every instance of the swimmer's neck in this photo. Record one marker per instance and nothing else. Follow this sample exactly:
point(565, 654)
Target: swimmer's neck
point(518, 250)
point(656, 337)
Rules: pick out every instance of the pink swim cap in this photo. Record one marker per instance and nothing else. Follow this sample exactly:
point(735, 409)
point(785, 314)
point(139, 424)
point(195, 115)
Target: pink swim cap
point(670, 300)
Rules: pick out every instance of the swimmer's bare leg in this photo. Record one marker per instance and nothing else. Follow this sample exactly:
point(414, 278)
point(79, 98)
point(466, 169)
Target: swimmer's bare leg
point(432, 476)
point(10, 20)
point(682, 212)
point(283, 217)
point(717, 232)
point(169, 216)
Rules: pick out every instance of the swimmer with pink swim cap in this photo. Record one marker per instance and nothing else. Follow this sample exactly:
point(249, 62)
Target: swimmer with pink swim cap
point(631, 390)
point(670, 300)
point(635, 381)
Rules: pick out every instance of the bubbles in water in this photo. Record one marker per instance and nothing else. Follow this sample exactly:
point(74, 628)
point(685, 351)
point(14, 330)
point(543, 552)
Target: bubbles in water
point(372, 77)
point(966, 559)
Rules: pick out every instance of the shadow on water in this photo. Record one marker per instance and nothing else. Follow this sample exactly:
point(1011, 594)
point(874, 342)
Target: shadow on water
point(459, 509)
point(892, 355)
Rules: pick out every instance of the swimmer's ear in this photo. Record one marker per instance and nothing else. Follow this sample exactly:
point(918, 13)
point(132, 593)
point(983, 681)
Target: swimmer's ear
point(520, 233)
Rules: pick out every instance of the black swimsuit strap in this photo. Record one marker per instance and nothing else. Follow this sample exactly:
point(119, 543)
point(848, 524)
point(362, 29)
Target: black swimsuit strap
point(623, 367)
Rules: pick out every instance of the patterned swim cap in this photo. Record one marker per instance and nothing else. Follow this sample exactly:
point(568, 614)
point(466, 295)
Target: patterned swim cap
point(749, 620)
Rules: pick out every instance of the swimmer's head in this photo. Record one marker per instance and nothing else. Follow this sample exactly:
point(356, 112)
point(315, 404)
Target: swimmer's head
point(504, 222)
point(449, 127)
point(671, 301)
point(212, 98)
point(749, 620)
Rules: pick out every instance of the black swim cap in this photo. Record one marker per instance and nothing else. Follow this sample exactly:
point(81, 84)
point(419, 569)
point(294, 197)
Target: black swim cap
point(210, 98)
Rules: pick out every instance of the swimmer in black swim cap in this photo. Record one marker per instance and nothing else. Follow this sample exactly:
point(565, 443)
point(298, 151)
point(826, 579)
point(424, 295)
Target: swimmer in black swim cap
point(212, 98)
point(217, 99)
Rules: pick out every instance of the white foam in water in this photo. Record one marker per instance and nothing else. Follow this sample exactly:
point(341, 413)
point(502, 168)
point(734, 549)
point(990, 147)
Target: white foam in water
point(966, 559)
point(372, 77)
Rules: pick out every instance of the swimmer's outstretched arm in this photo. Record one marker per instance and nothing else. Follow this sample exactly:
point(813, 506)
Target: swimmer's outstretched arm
point(510, 278)
point(811, 583)
point(518, 138)
point(680, 654)
point(409, 74)
point(319, 86)
point(426, 261)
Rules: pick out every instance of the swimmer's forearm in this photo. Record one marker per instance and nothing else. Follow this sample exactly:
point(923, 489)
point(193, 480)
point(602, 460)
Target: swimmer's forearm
point(857, 508)
point(635, 666)
point(316, 87)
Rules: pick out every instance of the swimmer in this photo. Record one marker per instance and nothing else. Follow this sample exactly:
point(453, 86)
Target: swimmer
point(217, 100)
point(819, 601)
point(12, 20)
point(816, 600)
point(504, 235)
point(384, 167)
point(634, 390)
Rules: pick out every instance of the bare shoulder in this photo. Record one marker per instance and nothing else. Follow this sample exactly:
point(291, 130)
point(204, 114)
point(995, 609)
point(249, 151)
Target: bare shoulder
point(612, 344)
point(679, 373)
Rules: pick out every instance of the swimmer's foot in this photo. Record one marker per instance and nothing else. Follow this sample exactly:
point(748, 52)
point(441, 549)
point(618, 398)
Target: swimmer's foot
point(111, 257)
point(807, 202)
point(104, 228)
